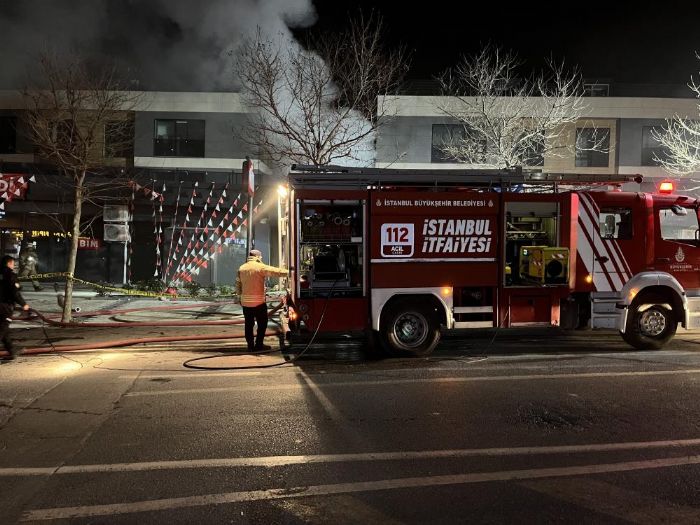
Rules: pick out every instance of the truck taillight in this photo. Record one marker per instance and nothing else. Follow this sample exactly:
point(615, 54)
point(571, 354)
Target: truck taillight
point(666, 187)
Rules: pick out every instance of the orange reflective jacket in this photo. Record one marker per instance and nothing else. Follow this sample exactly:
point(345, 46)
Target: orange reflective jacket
point(250, 284)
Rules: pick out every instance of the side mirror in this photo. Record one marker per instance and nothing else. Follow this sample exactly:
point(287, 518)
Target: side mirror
point(679, 210)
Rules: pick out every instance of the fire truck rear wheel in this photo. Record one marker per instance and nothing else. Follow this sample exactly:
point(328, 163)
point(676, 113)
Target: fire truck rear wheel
point(410, 330)
point(650, 328)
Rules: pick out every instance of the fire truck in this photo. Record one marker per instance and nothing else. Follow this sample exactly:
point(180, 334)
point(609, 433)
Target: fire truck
point(403, 254)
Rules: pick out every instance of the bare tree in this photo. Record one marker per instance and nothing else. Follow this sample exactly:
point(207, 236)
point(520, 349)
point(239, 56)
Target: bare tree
point(319, 105)
point(680, 139)
point(78, 117)
point(506, 120)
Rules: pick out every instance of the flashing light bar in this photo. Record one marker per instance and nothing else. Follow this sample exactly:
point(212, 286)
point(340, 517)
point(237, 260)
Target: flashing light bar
point(666, 187)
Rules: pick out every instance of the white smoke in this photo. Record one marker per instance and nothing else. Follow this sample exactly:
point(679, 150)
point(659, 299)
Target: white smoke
point(162, 44)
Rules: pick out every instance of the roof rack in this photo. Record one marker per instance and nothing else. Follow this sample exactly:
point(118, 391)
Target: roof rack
point(350, 177)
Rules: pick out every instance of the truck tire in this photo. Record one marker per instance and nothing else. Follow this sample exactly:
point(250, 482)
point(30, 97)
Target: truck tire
point(410, 329)
point(649, 329)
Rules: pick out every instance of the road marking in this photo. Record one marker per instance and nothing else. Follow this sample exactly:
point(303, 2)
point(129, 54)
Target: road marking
point(279, 461)
point(606, 498)
point(348, 488)
point(477, 379)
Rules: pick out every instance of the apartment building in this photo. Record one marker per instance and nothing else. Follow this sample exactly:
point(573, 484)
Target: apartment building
point(187, 148)
point(414, 136)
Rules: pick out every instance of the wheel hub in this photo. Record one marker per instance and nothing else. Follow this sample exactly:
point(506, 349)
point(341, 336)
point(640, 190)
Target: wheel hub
point(411, 329)
point(652, 323)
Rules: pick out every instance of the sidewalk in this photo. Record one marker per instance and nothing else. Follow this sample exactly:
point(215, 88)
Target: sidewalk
point(123, 312)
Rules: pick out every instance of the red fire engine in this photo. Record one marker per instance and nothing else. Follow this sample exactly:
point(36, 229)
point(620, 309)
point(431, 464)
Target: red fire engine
point(399, 254)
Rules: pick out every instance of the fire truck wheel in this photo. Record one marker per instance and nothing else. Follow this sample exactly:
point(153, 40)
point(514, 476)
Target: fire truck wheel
point(650, 328)
point(410, 329)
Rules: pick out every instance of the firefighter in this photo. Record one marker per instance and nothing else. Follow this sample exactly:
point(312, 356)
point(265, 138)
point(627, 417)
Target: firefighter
point(250, 286)
point(27, 263)
point(9, 296)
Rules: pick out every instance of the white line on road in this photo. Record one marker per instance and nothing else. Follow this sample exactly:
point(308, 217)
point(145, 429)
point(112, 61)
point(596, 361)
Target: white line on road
point(347, 488)
point(476, 379)
point(278, 461)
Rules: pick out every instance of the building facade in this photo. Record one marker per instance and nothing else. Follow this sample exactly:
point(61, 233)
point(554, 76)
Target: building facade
point(414, 135)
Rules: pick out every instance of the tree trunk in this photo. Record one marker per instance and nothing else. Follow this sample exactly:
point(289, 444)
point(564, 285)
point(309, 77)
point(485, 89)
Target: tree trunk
point(72, 254)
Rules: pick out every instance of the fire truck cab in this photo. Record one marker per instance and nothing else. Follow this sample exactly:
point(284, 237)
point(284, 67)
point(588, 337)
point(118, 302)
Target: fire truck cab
point(402, 254)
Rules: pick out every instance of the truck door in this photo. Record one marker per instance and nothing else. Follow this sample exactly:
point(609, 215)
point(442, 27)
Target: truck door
point(608, 239)
point(677, 243)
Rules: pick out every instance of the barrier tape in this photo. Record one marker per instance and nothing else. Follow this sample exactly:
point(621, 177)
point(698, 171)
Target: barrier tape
point(126, 291)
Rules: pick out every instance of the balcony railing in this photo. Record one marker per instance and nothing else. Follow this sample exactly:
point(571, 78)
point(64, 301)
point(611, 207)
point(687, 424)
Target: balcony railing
point(178, 148)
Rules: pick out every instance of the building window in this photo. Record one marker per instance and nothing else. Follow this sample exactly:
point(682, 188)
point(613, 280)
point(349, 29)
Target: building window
point(119, 141)
point(178, 138)
point(615, 223)
point(652, 149)
point(533, 153)
point(8, 135)
point(592, 147)
point(453, 135)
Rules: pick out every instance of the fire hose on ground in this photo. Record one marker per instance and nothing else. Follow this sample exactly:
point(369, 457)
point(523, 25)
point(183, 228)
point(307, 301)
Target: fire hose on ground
point(168, 339)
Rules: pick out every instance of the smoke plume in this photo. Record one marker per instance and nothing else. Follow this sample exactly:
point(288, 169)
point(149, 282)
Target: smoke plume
point(180, 45)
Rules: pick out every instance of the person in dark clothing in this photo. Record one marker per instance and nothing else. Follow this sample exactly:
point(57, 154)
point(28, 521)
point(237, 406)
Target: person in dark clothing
point(9, 296)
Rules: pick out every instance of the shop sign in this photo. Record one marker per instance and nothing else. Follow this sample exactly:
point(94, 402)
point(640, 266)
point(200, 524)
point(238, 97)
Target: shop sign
point(86, 243)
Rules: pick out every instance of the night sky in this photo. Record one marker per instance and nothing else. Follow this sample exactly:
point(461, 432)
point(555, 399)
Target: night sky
point(620, 41)
point(185, 44)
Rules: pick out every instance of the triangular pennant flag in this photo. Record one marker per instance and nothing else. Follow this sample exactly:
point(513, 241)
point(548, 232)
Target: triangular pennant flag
point(210, 223)
point(206, 230)
point(187, 218)
point(32, 179)
point(196, 184)
point(201, 251)
point(179, 241)
point(230, 228)
point(235, 204)
point(153, 214)
point(206, 257)
point(2, 205)
point(160, 229)
point(17, 192)
point(157, 250)
point(196, 245)
point(235, 221)
point(160, 209)
point(204, 265)
point(217, 207)
point(223, 194)
point(214, 215)
point(212, 237)
point(21, 180)
point(218, 241)
point(163, 188)
point(245, 207)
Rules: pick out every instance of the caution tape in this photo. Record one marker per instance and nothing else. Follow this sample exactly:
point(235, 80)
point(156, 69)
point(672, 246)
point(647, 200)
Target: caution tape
point(123, 291)
point(39, 276)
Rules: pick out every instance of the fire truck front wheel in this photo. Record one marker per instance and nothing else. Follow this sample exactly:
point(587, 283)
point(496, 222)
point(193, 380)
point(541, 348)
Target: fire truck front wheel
point(410, 329)
point(650, 327)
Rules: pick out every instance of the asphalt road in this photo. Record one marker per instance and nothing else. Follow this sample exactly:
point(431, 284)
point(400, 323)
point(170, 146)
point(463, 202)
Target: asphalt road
point(523, 428)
